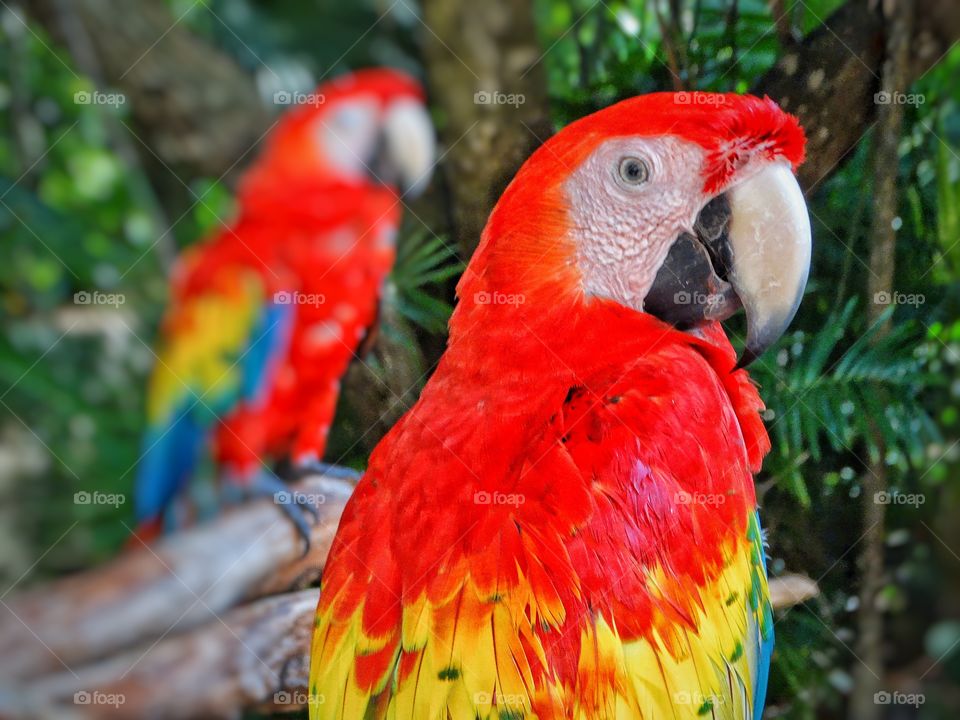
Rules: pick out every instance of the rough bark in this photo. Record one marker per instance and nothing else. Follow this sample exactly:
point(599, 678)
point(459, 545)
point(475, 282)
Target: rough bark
point(191, 104)
point(829, 80)
point(254, 657)
point(198, 111)
point(484, 65)
point(869, 672)
point(181, 582)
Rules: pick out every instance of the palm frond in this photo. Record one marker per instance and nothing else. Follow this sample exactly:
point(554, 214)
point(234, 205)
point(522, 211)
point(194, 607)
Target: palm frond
point(833, 390)
point(424, 262)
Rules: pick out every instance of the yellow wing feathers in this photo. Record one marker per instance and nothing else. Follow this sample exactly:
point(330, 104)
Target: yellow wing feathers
point(476, 654)
point(203, 338)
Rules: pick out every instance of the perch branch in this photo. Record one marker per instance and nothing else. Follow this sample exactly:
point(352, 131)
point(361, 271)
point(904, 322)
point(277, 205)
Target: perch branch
point(255, 657)
point(181, 582)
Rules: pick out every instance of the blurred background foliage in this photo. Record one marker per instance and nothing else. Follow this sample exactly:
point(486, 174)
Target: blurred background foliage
point(75, 216)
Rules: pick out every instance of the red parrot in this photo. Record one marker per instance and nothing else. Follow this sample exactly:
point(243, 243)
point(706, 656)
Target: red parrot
point(565, 525)
point(267, 313)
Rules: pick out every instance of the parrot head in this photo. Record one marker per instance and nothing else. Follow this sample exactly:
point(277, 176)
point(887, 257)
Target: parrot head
point(680, 205)
point(369, 126)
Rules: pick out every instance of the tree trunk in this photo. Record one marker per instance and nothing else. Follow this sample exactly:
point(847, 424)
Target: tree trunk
point(829, 80)
point(484, 64)
point(195, 109)
point(869, 672)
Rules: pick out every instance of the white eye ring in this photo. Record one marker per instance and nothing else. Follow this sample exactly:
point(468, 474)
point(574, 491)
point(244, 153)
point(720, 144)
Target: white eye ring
point(633, 171)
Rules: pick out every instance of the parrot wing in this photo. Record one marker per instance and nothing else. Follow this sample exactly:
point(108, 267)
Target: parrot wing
point(219, 347)
point(618, 574)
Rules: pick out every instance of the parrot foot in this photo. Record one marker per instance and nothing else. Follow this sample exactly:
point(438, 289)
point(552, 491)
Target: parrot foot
point(295, 505)
point(306, 468)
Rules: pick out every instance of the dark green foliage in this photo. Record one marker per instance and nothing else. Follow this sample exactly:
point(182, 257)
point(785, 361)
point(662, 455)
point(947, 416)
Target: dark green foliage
point(72, 219)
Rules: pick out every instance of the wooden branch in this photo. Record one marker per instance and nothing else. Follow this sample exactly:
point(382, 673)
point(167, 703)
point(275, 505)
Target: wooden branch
point(829, 80)
point(254, 657)
point(194, 627)
point(182, 582)
point(793, 589)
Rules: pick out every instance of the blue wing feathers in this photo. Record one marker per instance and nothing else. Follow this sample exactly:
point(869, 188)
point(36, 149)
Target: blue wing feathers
point(172, 450)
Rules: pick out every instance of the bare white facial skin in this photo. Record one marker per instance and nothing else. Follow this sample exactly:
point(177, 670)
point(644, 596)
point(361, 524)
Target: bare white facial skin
point(622, 229)
point(347, 135)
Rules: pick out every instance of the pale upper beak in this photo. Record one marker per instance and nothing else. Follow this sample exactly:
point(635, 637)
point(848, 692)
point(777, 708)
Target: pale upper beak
point(408, 146)
point(751, 249)
point(770, 243)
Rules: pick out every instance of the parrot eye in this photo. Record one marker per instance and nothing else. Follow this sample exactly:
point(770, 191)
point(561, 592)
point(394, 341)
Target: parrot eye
point(634, 171)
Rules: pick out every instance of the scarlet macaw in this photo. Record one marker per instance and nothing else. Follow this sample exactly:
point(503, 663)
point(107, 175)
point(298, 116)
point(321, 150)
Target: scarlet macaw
point(565, 524)
point(266, 315)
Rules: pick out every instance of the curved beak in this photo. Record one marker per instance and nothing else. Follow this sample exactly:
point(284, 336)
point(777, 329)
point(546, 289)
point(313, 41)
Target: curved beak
point(407, 150)
point(751, 249)
point(770, 243)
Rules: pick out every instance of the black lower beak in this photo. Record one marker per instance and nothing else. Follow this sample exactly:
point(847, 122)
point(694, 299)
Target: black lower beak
point(750, 248)
point(692, 287)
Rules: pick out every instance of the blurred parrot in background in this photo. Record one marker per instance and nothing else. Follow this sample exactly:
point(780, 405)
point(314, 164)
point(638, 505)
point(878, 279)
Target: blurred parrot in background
point(266, 314)
point(565, 524)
